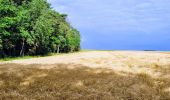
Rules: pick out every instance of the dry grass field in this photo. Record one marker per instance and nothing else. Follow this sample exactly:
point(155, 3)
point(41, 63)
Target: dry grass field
point(91, 75)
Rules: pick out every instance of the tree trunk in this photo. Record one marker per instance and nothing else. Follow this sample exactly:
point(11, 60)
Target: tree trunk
point(22, 49)
point(58, 49)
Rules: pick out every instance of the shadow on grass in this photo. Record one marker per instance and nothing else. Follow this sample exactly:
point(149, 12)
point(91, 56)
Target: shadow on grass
point(25, 82)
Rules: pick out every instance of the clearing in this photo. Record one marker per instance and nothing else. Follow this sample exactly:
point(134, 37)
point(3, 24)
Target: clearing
point(90, 75)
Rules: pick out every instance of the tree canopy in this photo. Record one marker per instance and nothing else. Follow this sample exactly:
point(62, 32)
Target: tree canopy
point(32, 27)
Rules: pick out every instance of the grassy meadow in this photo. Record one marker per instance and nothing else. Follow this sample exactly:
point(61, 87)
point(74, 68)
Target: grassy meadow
point(77, 81)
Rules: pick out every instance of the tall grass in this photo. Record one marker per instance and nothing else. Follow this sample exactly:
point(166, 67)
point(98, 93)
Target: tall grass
point(29, 82)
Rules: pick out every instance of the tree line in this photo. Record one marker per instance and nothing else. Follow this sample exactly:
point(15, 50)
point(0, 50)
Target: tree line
point(32, 27)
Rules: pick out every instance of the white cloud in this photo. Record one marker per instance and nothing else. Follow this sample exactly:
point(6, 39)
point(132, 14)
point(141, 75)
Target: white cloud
point(116, 14)
point(146, 18)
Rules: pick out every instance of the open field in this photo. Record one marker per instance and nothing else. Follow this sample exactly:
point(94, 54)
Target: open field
point(91, 75)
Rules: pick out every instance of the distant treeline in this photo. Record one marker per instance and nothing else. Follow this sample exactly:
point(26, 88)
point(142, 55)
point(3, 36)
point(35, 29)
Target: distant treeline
point(31, 27)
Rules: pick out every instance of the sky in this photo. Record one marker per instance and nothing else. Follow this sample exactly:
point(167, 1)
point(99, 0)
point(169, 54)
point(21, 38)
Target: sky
point(119, 24)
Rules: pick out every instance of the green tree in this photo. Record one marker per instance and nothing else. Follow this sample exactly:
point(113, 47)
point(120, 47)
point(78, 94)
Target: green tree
point(31, 27)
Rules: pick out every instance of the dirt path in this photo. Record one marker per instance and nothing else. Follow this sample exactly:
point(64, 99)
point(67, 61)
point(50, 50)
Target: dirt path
point(120, 61)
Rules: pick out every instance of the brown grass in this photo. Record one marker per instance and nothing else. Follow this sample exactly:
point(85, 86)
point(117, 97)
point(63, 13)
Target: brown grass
point(29, 82)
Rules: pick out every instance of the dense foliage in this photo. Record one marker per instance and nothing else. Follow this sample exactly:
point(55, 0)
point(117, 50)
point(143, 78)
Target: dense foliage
point(31, 27)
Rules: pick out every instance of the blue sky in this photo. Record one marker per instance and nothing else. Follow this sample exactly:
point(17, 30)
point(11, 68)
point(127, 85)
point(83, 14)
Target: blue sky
point(119, 24)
